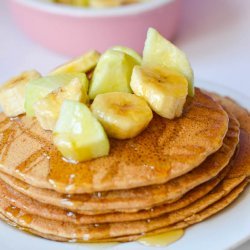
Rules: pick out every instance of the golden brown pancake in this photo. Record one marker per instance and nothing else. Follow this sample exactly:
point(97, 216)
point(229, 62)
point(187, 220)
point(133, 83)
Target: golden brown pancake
point(224, 193)
point(165, 150)
point(113, 230)
point(242, 114)
point(189, 221)
point(95, 232)
point(31, 206)
point(142, 198)
point(145, 197)
point(164, 222)
point(193, 219)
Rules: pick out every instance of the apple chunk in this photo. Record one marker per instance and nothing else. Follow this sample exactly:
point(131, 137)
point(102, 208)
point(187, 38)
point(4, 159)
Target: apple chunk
point(48, 108)
point(112, 73)
point(129, 52)
point(41, 87)
point(78, 135)
point(161, 54)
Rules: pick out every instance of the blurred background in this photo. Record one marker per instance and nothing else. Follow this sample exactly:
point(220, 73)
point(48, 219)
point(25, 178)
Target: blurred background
point(214, 34)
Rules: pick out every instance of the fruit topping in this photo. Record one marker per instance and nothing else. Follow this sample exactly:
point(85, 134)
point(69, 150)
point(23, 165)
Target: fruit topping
point(123, 115)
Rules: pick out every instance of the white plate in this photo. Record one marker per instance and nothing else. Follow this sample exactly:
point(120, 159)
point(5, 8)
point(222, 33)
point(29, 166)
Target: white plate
point(225, 230)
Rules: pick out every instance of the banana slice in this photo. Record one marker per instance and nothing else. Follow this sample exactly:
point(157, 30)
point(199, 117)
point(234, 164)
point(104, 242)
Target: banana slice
point(12, 93)
point(81, 64)
point(165, 91)
point(160, 53)
point(48, 108)
point(122, 115)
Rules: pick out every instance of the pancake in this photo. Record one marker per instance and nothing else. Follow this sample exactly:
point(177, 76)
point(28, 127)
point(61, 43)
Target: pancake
point(242, 114)
point(222, 190)
point(165, 150)
point(189, 221)
point(114, 230)
point(224, 193)
point(96, 232)
point(31, 206)
point(195, 218)
point(243, 117)
point(144, 197)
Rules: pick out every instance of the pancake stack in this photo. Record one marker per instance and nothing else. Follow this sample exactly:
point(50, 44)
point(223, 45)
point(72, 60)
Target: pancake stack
point(174, 174)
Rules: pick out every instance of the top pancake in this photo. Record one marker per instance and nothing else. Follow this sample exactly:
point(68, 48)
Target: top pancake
point(142, 197)
point(165, 150)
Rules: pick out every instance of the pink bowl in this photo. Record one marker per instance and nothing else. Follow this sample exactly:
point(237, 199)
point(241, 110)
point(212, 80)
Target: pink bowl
point(71, 30)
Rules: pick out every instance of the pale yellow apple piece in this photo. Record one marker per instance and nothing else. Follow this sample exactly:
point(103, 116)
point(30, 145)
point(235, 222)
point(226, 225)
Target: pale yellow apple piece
point(129, 52)
point(48, 108)
point(78, 135)
point(112, 73)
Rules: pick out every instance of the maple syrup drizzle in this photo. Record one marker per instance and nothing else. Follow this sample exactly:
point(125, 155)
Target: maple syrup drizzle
point(46, 144)
point(67, 176)
point(12, 211)
point(31, 161)
point(157, 240)
point(8, 136)
point(4, 122)
point(16, 212)
point(162, 239)
point(23, 185)
point(26, 219)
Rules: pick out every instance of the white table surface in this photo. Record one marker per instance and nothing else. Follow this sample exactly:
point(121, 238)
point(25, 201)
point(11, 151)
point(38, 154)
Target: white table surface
point(214, 33)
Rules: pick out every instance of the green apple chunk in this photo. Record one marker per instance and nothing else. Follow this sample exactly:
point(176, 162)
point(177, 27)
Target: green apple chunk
point(48, 108)
point(130, 52)
point(39, 88)
point(162, 54)
point(78, 135)
point(112, 73)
